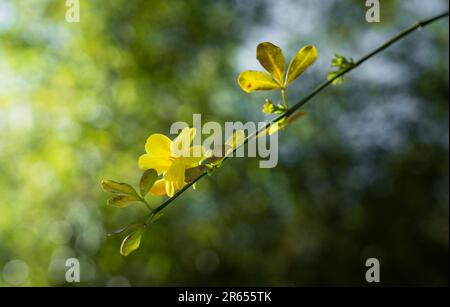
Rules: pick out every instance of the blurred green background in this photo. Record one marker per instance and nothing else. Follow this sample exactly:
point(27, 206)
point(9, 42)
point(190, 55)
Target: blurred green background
point(364, 174)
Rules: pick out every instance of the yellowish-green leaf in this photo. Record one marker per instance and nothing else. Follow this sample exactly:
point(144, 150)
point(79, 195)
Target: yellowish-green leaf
point(302, 60)
point(332, 76)
point(147, 180)
point(342, 64)
point(251, 81)
point(272, 59)
point(118, 188)
point(131, 242)
point(269, 107)
point(122, 201)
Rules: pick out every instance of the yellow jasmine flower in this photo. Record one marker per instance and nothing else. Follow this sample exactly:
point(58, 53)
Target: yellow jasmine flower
point(170, 159)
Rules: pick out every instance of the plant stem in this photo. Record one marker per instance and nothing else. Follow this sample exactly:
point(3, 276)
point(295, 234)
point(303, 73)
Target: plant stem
point(399, 36)
point(284, 97)
point(302, 102)
point(146, 204)
point(168, 201)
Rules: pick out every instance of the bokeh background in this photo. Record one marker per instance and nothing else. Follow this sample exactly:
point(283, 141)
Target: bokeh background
point(364, 174)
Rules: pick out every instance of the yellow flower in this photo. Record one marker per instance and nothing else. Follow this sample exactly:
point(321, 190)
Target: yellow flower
point(171, 159)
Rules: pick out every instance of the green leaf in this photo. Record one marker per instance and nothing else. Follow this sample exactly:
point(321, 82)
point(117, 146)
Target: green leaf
point(132, 241)
point(342, 64)
point(269, 107)
point(118, 188)
point(338, 60)
point(147, 180)
point(251, 81)
point(302, 60)
point(272, 59)
point(332, 75)
point(122, 201)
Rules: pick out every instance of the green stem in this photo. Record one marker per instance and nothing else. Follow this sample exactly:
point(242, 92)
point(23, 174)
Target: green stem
point(168, 201)
point(302, 102)
point(284, 97)
point(399, 36)
point(146, 204)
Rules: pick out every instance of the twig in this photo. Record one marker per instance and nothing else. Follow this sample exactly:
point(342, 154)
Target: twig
point(302, 102)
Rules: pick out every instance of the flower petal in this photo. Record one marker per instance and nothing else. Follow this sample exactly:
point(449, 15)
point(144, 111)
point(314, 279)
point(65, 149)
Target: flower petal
point(161, 164)
point(192, 156)
point(158, 188)
point(158, 145)
point(170, 189)
point(183, 141)
point(175, 173)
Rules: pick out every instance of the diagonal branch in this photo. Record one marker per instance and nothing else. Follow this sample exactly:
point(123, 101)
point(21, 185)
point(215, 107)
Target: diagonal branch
point(417, 26)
